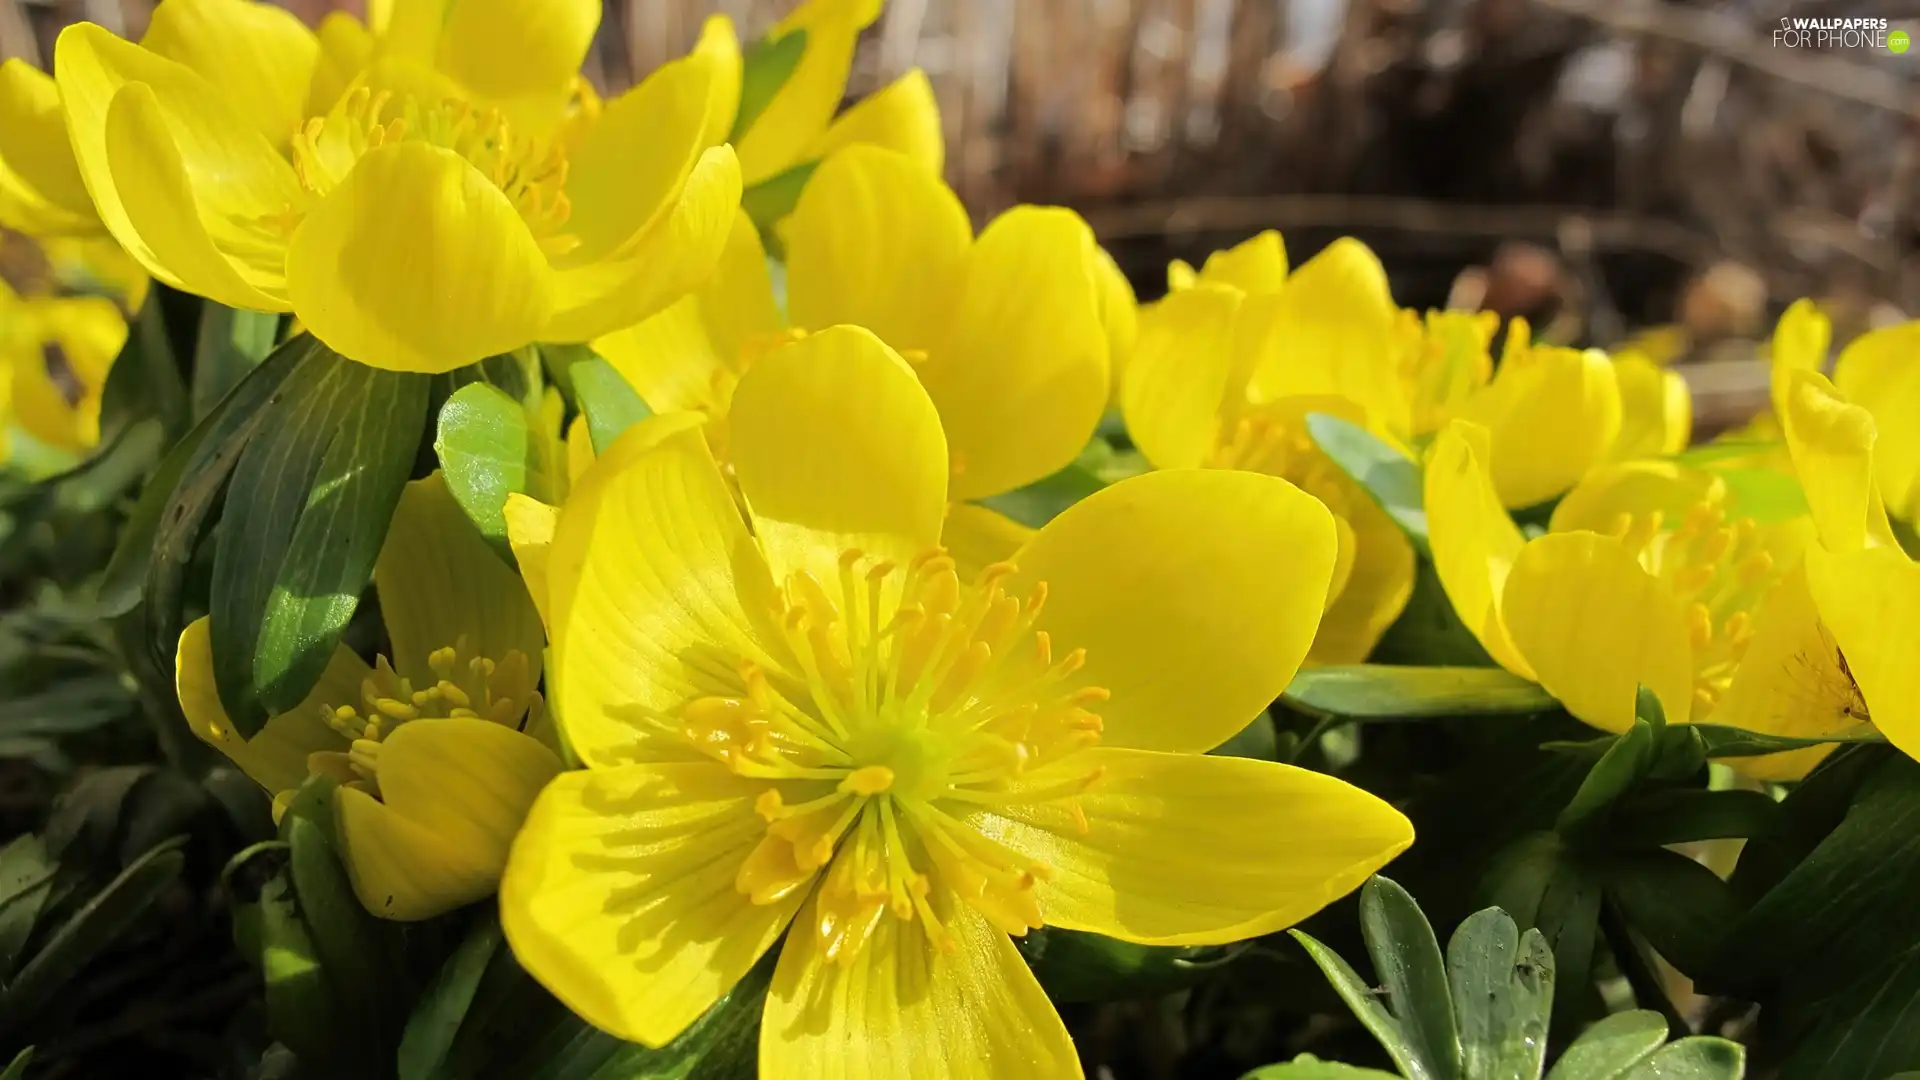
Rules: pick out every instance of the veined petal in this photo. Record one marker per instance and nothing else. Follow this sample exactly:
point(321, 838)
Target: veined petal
point(1635, 487)
point(276, 756)
point(1331, 331)
point(1800, 342)
point(440, 583)
point(1552, 414)
point(671, 257)
point(416, 262)
point(1880, 372)
point(346, 49)
point(258, 57)
point(902, 116)
point(1870, 601)
point(1186, 849)
point(837, 446)
point(1789, 682)
point(1377, 586)
point(977, 538)
point(1656, 409)
point(41, 190)
point(803, 105)
point(1021, 376)
point(876, 241)
point(1473, 540)
point(1595, 625)
point(645, 582)
point(519, 57)
point(1257, 264)
point(904, 1007)
point(1180, 375)
point(1833, 447)
point(530, 525)
point(1194, 592)
point(620, 894)
point(452, 795)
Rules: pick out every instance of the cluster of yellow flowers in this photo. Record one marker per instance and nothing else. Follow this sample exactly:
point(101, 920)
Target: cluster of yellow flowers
point(772, 672)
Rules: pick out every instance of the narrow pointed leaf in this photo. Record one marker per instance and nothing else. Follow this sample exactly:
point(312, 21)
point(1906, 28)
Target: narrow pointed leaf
point(609, 402)
point(765, 67)
point(1388, 692)
point(1390, 477)
point(1359, 996)
point(1407, 958)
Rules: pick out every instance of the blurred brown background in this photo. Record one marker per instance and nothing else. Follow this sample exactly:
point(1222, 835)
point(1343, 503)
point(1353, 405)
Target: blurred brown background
point(1606, 165)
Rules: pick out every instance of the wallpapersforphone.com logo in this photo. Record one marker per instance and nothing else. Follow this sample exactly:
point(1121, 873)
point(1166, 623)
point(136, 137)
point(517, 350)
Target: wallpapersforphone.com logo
point(1803, 32)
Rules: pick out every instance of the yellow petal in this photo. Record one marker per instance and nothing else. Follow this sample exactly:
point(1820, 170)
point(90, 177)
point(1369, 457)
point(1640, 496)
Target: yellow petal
point(519, 57)
point(902, 116)
point(1595, 625)
point(837, 446)
point(1331, 331)
point(644, 576)
point(1635, 487)
point(579, 450)
point(452, 796)
point(1656, 409)
point(1181, 275)
point(1880, 371)
point(1181, 374)
point(1552, 414)
point(1195, 594)
point(1833, 447)
point(276, 756)
point(671, 257)
point(258, 57)
point(1377, 586)
point(799, 111)
point(87, 332)
point(1870, 601)
point(1120, 314)
point(1450, 362)
point(1800, 342)
point(346, 49)
point(876, 241)
point(977, 538)
point(416, 262)
point(440, 583)
point(1183, 849)
point(620, 897)
point(1473, 540)
point(1257, 264)
point(41, 191)
point(1021, 377)
point(904, 1006)
point(530, 525)
point(1789, 683)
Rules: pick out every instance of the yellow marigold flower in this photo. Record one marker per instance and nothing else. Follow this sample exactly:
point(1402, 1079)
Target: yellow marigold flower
point(1641, 579)
point(409, 227)
point(55, 353)
point(1198, 394)
point(802, 722)
point(439, 749)
point(1009, 331)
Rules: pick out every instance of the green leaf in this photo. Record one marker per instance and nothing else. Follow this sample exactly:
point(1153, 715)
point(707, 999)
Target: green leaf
point(309, 502)
point(1385, 692)
point(145, 378)
point(488, 450)
point(1041, 501)
point(1612, 1046)
point(302, 1004)
point(1866, 1029)
point(1390, 477)
point(92, 930)
point(1502, 996)
point(441, 1009)
point(17, 1070)
point(772, 199)
point(231, 344)
point(1359, 996)
point(1429, 630)
point(1726, 742)
point(1624, 765)
point(607, 399)
point(1700, 1058)
point(1768, 496)
point(26, 881)
point(67, 707)
point(1654, 819)
point(1544, 884)
point(1308, 1067)
point(1682, 908)
point(1077, 966)
point(1406, 957)
point(765, 67)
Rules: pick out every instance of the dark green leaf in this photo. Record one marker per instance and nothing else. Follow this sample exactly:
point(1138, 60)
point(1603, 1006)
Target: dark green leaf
point(1680, 907)
point(231, 344)
point(1429, 630)
point(1391, 478)
point(17, 1069)
point(774, 198)
point(1624, 765)
point(1866, 1029)
point(26, 880)
point(1075, 966)
point(1502, 996)
point(1359, 996)
point(1308, 1067)
point(1406, 957)
point(1543, 884)
point(1700, 1058)
point(66, 708)
point(608, 400)
point(489, 449)
point(1612, 1046)
point(310, 500)
point(1385, 692)
point(438, 1014)
point(1726, 742)
point(1684, 815)
point(302, 1004)
point(144, 381)
point(765, 67)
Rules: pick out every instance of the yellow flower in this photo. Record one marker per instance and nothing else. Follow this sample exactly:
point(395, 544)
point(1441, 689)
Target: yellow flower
point(41, 191)
point(439, 750)
point(408, 228)
point(1878, 371)
point(55, 353)
point(1641, 579)
point(1008, 331)
point(803, 722)
point(1200, 391)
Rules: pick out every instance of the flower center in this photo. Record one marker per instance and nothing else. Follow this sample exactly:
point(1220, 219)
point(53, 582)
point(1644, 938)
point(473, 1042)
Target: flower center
point(1274, 441)
point(1721, 570)
point(914, 706)
point(531, 173)
point(466, 685)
